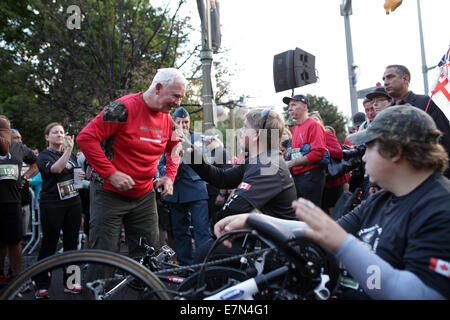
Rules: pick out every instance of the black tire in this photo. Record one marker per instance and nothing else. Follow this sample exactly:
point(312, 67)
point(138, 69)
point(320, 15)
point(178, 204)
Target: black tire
point(216, 277)
point(78, 257)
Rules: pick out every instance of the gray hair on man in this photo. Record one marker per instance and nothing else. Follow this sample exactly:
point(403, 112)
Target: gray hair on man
point(167, 76)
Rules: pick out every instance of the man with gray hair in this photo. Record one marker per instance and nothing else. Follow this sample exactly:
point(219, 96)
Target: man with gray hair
point(16, 136)
point(123, 144)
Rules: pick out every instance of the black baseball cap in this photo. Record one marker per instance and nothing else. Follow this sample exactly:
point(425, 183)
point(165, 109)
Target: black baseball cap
point(358, 119)
point(297, 97)
point(379, 91)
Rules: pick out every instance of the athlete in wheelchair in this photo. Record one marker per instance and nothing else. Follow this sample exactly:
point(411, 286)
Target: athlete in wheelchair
point(396, 244)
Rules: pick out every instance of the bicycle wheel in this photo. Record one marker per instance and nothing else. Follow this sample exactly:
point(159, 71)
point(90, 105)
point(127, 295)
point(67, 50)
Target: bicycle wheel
point(62, 270)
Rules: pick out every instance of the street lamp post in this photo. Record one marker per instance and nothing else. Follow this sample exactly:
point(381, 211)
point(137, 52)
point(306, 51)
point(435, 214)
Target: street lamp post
point(206, 58)
point(422, 49)
point(346, 11)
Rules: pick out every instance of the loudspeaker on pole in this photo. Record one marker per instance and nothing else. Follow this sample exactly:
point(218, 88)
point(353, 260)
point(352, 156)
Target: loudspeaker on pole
point(292, 69)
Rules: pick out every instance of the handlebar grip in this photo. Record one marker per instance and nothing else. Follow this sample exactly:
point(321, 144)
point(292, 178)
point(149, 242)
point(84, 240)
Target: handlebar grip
point(268, 229)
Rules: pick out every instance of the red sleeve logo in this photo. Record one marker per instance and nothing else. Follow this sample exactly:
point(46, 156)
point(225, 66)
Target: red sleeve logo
point(245, 186)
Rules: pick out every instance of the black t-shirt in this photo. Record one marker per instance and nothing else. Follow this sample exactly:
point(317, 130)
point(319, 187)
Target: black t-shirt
point(258, 183)
point(10, 172)
point(410, 231)
point(57, 189)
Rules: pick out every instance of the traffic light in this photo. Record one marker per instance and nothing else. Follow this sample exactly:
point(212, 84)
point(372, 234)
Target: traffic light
point(292, 69)
point(391, 5)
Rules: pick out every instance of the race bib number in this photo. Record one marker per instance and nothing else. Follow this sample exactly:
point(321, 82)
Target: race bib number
point(67, 190)
point(9, 172)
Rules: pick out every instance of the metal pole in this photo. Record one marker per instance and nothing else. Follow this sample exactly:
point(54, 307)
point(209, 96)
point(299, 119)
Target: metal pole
point(232, 127)
point(206, 58)
point(346, 10)
point(422, 49)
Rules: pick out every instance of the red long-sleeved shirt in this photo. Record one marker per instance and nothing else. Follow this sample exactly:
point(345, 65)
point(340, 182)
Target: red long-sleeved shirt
point(333, 145)
point(135, 138)
point(309, 132)
point(335, 150)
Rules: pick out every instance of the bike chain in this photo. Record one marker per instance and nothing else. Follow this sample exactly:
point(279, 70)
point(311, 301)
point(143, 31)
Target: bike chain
point(199, 265)
point(214, 262)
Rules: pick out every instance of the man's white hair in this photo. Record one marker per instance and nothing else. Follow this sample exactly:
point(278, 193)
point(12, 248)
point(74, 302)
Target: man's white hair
point(167, 76)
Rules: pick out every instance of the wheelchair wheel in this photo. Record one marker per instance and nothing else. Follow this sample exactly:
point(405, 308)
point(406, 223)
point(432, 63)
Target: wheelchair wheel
point(102, 275)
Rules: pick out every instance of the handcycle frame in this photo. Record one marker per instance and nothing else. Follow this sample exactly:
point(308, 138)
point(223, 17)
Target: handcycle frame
point(281, 239)
point(270, 234)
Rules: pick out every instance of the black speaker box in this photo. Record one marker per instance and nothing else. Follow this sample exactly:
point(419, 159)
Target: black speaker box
point(292, 69)
point(304, 68)
point(283, 71)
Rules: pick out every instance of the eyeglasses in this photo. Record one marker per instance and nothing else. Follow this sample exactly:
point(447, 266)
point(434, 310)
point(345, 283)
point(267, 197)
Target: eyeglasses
point(265, 115)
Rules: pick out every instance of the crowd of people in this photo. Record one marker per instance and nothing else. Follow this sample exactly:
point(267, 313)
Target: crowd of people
point(147, 173)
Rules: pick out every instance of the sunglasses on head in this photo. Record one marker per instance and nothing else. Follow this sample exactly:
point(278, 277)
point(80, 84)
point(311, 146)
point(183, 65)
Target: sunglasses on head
point(265, 115)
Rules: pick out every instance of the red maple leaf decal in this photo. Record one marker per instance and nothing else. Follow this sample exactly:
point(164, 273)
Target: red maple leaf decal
point(444, 267)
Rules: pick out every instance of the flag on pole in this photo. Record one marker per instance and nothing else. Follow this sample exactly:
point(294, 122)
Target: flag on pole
point(440, 94)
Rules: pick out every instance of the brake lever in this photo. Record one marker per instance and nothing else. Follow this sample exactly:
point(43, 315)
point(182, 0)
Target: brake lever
point(321, 290)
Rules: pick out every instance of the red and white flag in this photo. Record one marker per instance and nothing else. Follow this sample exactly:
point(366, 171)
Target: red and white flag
point(440, 266)
point(440, 94)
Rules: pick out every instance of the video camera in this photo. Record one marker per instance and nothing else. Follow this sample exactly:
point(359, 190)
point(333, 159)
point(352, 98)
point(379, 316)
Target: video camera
point(354, 156)
point(351, 161)
point(356, 152)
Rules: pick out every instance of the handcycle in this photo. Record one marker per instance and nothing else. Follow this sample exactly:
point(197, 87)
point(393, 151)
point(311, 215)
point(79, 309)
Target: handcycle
point(277, 264)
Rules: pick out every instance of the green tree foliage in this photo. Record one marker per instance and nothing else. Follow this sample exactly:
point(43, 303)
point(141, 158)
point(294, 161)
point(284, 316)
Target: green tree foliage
point(329, 113)
point(51, 72)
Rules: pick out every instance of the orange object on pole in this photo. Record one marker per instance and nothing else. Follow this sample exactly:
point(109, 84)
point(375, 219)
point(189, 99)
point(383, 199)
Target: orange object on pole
point(391, 5)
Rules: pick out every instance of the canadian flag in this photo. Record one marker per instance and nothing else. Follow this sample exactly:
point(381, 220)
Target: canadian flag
point(245, 186)
point(440, 94)
point(440, 266)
